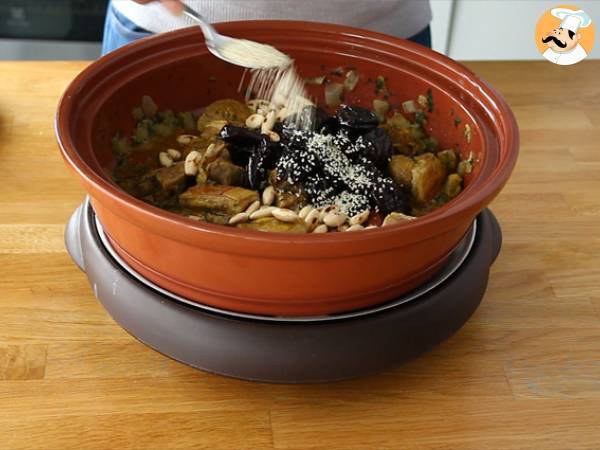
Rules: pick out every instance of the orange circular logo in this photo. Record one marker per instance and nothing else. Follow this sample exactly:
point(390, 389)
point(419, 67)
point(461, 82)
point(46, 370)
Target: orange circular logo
point(564, 35)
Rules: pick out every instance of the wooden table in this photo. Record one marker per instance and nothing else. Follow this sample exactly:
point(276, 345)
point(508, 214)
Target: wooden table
point(523, 373)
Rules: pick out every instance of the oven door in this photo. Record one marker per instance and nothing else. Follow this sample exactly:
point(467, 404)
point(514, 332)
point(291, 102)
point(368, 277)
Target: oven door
point(51, 29)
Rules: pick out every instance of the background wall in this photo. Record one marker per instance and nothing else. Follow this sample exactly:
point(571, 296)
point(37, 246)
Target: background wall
point(462, 29)
point(496, 29)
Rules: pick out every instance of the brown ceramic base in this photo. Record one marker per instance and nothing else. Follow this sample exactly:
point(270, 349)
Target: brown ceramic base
point(283, 351)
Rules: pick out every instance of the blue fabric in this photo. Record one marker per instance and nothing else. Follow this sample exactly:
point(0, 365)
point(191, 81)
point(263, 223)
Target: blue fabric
point(423, 37)
point(119, 30)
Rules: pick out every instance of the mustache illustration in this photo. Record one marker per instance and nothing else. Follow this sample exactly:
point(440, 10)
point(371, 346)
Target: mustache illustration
point(556, 41)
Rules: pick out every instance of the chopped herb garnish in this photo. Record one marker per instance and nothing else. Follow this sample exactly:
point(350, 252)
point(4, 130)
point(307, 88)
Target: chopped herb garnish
point(429, 100)
point(468, 133)
point(457, 121)
point(420, 118)
point(380, 84)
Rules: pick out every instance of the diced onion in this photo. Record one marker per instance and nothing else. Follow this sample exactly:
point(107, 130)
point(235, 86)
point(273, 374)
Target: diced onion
point(334, 93)
point(351, 80)
point(315, 80)
point(409, 107)
point(381, 108)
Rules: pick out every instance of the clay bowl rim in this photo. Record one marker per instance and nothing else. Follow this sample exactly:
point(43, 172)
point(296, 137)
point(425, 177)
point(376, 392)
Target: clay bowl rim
point(461, 205)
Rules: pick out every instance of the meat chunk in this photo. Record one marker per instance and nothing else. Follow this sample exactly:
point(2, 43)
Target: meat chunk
point(287, 195)
point(428, 176)
point(453, 185)
point(172, 179)
point(396, 217)
point(449, 159)
point(219, 219)
point(224, 172)
point(228, 110)
point(218, 199)
point(274, 225)
point(406, 138)
point(400, 168)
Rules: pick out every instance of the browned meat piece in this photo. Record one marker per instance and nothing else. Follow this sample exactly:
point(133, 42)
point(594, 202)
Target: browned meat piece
point(400, 168)
point(449, 159)
point(453, 185)
point(274, 225)
point(218, 199)
point(428, 176)
point(407, 138)
point(202, 142)
point(289, 201)
point(396, 217)
point(287, 195)
point(219, 219)
point(224, 172)
point(172, 178)
point(229, 110)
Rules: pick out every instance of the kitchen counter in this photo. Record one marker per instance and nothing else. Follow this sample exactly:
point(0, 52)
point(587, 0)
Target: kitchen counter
point(523, 373)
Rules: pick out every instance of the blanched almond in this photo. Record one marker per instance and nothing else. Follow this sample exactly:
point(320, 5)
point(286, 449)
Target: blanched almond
point(185, 139)
point(174, 154)
point(265, 211)
point(268, 196)
point(335, 220)
point(164, 159)
point(355, 227)
point(268, 123)
point(214, 150)
point(312, 219)
point(255, 121)
point(253, 207)
point(285, 215)
point(239, 218)
point(273, 136)
point(360, 218)
point(321, 229)
point(305, 211)
point(190, 165)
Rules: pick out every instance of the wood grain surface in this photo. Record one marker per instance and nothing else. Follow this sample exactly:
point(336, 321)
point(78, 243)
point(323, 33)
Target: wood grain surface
point(523, 373)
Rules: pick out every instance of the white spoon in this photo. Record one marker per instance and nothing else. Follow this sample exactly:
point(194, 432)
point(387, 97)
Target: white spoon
point(240, 52)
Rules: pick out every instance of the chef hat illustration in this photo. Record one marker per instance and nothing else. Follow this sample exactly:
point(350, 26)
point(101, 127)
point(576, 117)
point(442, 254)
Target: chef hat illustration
point(572, 20)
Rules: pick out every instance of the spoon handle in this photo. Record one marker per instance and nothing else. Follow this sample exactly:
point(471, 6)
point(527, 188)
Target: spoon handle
point(210, 34)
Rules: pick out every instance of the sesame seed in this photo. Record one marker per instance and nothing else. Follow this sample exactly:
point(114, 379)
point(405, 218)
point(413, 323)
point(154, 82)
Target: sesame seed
point(332, 170)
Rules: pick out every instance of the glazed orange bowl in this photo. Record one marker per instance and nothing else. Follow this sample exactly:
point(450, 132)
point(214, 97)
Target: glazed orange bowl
point(273, 273)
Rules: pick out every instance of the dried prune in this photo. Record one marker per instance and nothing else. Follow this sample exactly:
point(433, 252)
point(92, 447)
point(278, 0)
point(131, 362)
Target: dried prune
point(376, 146)
point(240, 136)
point(262, 159)
point(357, 118)
point(390, 198)
point(325, 123)
point(242, 142)
point(294, 164)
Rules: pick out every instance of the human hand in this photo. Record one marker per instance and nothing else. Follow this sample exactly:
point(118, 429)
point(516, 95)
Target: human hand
point(175, 6)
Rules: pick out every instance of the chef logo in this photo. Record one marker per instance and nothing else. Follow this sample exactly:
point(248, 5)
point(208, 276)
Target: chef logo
point(565, 35)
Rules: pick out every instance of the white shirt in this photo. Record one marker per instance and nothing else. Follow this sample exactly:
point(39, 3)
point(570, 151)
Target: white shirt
point(566, 58)
point(402, 18)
